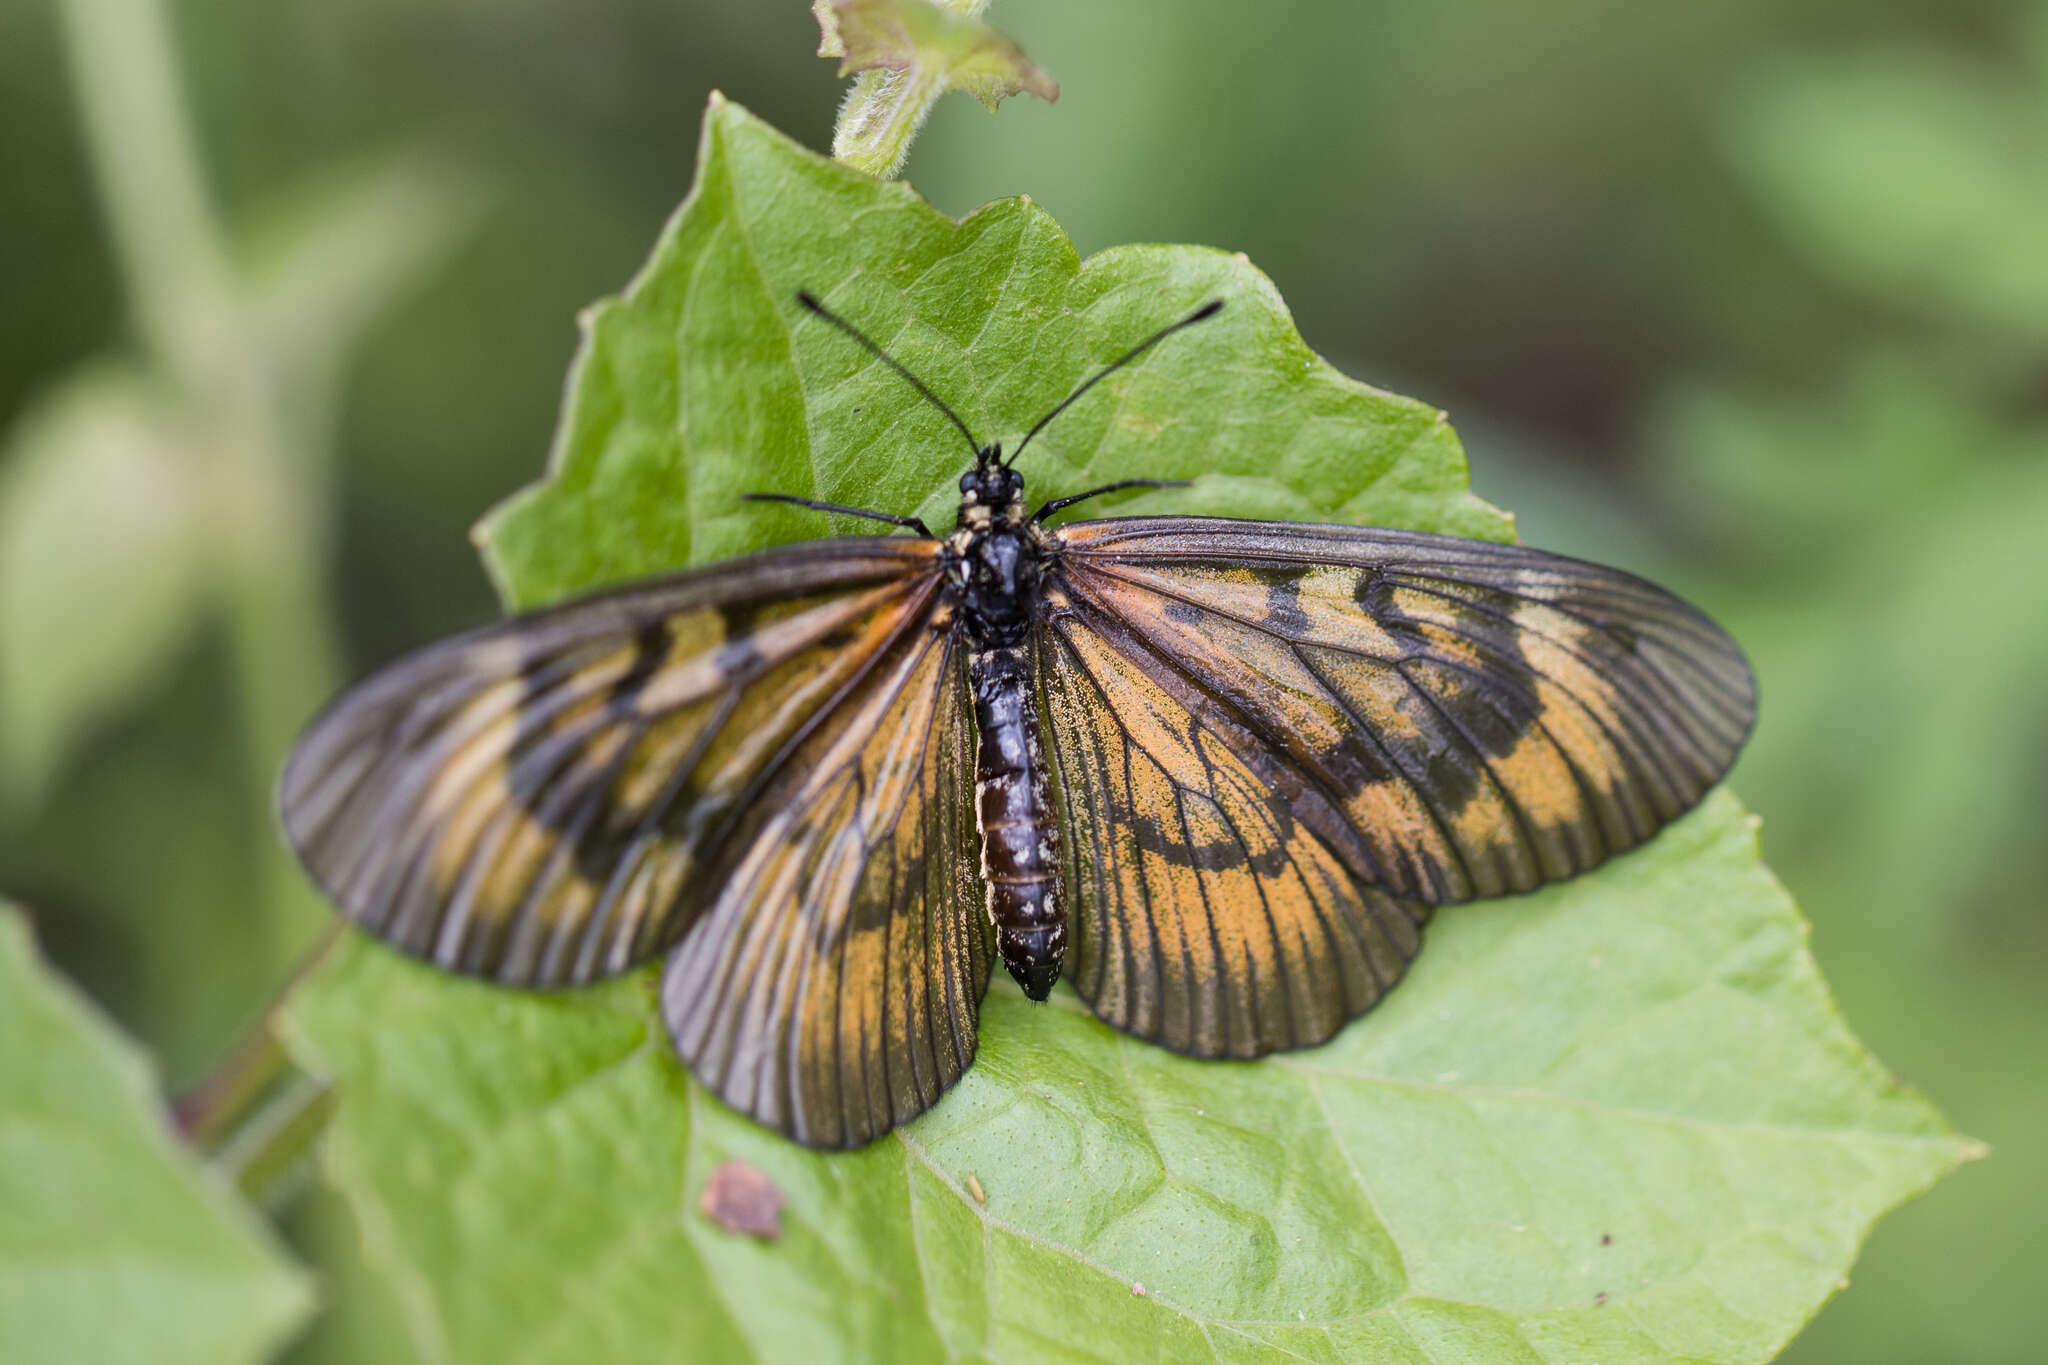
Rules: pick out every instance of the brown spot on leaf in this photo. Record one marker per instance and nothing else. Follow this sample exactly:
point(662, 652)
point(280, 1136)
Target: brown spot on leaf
point(740, 1198)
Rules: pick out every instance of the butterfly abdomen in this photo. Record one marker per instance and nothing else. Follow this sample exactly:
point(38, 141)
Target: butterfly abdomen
point(1019, 835)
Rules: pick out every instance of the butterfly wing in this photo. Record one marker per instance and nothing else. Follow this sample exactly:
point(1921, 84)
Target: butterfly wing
point(549, 799)
point(1365, 721)
point(832, 988)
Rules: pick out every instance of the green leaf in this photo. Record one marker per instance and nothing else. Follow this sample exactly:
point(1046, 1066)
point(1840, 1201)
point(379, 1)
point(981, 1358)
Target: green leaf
point(114, 1244)
point(102, 564)
point(1646, 1055)
point(1618, 1120)
point(907, 54)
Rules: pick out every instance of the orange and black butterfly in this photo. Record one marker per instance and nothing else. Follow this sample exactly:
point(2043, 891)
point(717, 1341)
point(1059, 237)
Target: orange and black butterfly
point(1218, 772)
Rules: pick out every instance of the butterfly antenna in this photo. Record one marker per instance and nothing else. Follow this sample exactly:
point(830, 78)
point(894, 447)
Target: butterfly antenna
point(810, 301)
point(1202, 314)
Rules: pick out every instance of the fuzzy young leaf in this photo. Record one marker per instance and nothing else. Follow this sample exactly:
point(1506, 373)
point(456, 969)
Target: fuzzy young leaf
point(114, 1244)
point(919, 35)
point(907, 53)
point(1615, 1121)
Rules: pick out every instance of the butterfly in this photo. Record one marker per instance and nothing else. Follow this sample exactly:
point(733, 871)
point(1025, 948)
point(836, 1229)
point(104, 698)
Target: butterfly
point(1215, 772)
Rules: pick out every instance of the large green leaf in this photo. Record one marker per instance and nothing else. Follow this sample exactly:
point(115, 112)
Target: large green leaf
point(1615, 1121)
point(114, 1244)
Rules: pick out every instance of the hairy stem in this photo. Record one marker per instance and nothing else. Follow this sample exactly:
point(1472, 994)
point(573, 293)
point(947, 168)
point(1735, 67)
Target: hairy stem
point(881, 117)
point(884, 109)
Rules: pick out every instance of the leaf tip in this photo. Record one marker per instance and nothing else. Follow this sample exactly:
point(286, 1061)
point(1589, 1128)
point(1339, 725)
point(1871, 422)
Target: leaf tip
point(830, 44)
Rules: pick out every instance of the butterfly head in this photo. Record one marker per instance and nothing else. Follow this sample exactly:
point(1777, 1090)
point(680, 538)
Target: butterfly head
point(991, 493)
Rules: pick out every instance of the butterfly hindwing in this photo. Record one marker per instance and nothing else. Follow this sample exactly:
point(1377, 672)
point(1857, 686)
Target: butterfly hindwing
point(832, 988)
point(548, 800)
point(1489, 717)
point(1217, 902)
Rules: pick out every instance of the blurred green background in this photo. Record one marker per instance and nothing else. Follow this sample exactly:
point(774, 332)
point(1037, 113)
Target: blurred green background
point(1751, 298)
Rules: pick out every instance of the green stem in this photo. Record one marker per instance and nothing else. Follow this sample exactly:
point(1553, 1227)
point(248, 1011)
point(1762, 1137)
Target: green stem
point(285, 660)
point(255, 1115)
point(146, 163)
point(190, 309)
point(282, 640)
point(881, 117)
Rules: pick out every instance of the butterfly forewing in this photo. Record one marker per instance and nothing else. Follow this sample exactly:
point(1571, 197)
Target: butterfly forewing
point(832, 988)
point(1487, 717)
point(547, 800)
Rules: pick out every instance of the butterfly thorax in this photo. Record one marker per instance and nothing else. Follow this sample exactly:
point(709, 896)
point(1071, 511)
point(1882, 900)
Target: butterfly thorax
point(995, 557)
point(996, 553)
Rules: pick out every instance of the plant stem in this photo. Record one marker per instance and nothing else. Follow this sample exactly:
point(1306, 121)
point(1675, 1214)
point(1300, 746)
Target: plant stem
point(881, 116)
point(258, 469)
point(144, 159)
point(255, 1115)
